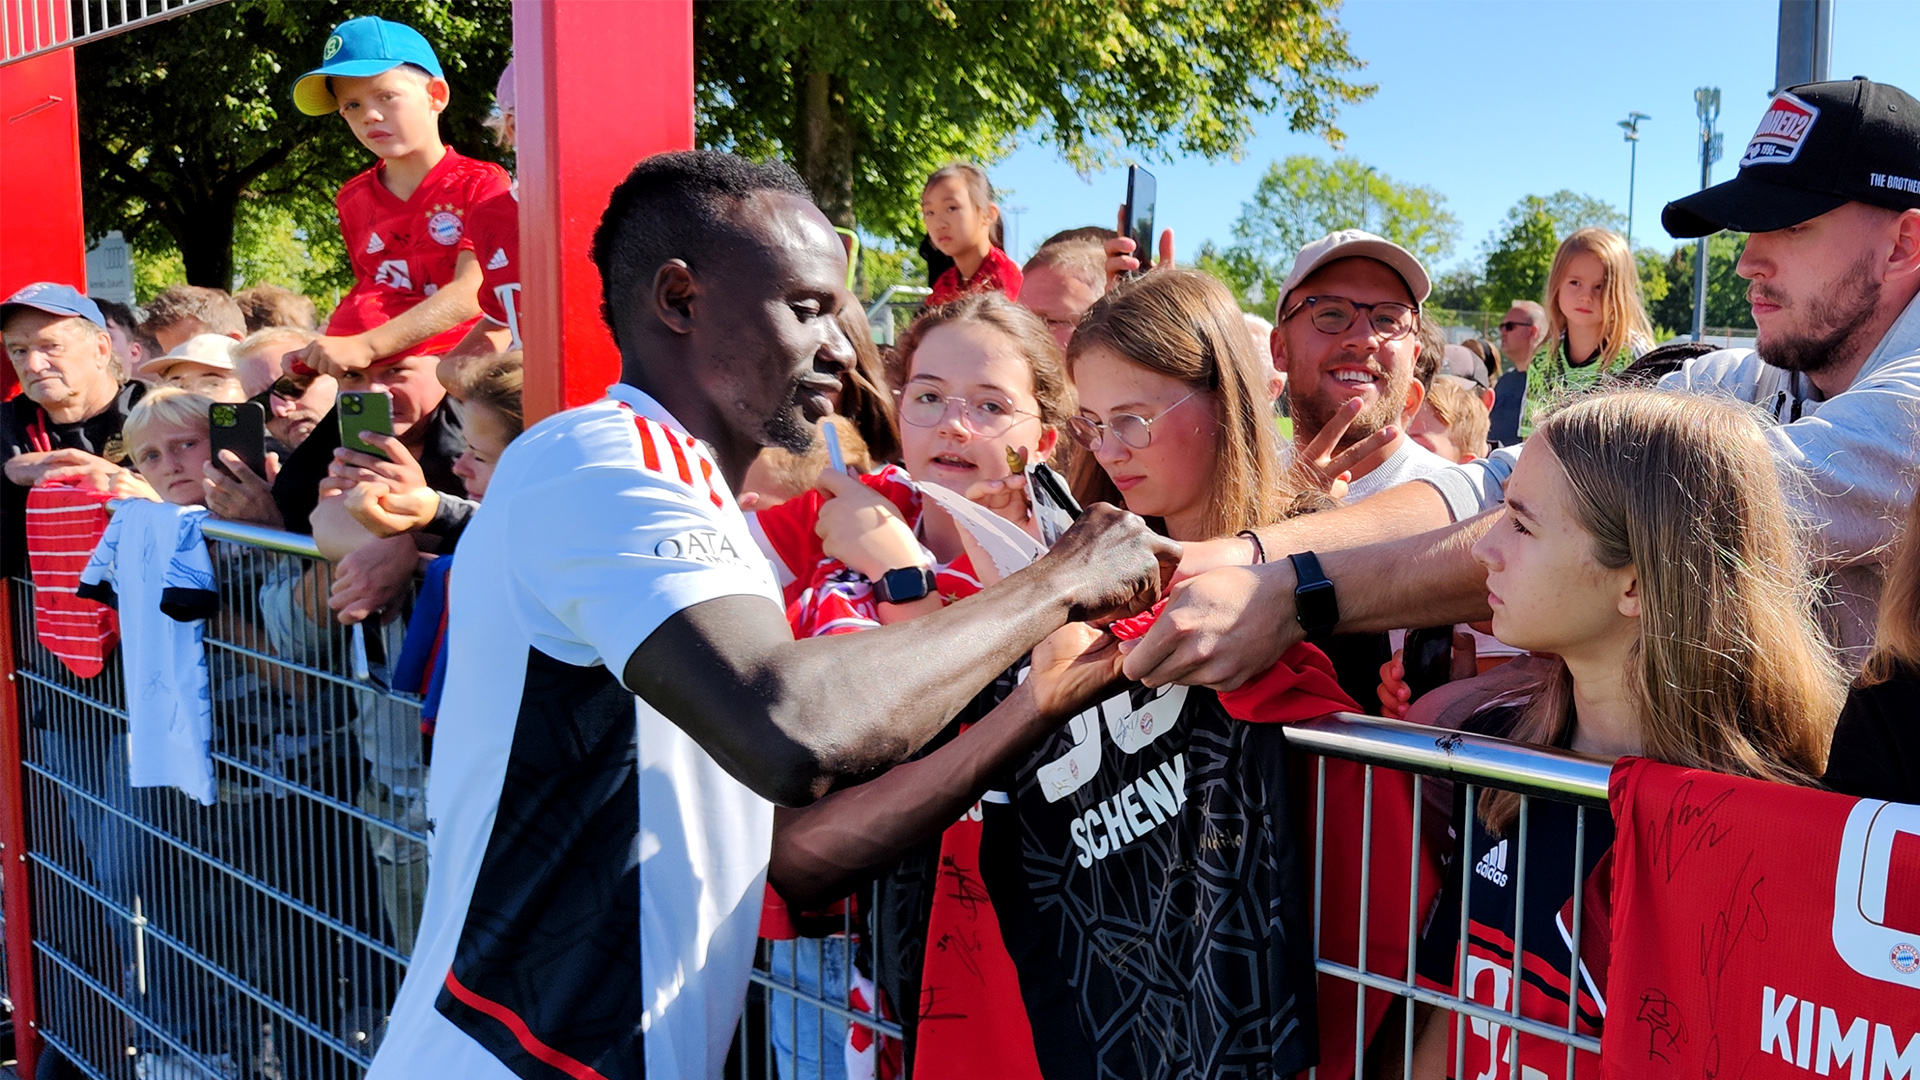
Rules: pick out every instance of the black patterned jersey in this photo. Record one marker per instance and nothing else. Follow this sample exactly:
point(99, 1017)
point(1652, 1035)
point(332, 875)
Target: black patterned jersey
point(1151, 893)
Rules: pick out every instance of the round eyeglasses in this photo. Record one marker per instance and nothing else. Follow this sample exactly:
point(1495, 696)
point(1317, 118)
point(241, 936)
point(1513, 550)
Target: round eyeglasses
point(1390, 320)
point(986, 415)
point(1132, 431)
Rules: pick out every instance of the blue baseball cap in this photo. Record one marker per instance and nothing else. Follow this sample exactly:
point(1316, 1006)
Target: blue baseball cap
point(54, 299)
point(357, 48)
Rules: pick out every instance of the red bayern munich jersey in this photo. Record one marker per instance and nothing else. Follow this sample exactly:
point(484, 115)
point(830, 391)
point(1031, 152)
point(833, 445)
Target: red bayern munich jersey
point(494, 227)
point(405, 251)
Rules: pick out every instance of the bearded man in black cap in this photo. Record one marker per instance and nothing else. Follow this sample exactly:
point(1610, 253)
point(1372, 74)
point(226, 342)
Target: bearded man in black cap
point(1829, 191)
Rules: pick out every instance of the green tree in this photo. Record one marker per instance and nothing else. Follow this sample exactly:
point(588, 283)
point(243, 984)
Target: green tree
point(188, 133)
point(1727, 304)
point(1521, 253)
point(1251, 281)
point(866, 99)
point(1304, 198)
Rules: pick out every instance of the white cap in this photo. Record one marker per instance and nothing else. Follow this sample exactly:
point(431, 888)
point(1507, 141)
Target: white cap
point(209, 350)
point(1356, 243)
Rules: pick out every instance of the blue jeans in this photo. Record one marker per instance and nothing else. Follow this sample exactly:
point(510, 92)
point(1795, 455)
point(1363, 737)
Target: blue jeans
point(809, 1043)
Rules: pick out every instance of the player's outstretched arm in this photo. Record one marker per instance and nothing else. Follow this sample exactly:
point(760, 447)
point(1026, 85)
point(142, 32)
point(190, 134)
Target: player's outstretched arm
point(824, 851)
point(793, 719)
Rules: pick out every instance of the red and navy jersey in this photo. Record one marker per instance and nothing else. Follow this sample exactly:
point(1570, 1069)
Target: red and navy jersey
point(1542, 932)
point(997, 272)
point(494, 227)
point(405, 251)
point(1151, 889)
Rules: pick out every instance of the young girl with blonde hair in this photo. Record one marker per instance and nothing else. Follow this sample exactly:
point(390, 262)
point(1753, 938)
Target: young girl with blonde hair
point(1596, 324)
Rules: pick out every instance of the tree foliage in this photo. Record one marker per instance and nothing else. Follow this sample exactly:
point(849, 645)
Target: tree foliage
point(1304, 198)
point(1727, 304)
point(866, 99)
point(188, 133)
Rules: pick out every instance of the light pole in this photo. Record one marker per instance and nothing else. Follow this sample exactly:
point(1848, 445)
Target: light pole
point(1016, 211)
point(1706, 105)
point(1631, 125)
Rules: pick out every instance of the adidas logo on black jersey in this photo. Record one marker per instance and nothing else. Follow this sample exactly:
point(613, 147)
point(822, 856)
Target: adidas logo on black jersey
point(1493, 865)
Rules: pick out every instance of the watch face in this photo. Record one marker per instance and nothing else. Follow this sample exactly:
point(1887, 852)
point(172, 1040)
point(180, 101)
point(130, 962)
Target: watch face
point(904, 586)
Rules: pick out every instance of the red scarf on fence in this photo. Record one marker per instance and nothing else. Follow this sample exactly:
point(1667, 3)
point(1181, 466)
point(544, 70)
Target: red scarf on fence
point(1760, 930)
point(64, 522)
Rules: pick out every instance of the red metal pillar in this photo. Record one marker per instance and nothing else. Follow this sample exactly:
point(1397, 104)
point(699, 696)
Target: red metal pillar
point(13, 853)
point(42, 236)
point(602, 84)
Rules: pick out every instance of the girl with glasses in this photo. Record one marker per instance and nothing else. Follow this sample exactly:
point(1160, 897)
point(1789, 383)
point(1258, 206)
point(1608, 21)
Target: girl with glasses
point(982, 388)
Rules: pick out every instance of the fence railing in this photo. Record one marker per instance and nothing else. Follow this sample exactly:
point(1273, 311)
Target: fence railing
point(32, 27)
point(265, 934)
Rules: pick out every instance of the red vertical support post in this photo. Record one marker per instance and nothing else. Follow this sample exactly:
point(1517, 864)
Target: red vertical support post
point(42, 234)
point(602, 84)
point(14, 894)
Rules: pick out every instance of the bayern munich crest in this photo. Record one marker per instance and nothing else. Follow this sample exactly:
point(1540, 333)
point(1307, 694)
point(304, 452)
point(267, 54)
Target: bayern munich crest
point(445, 227)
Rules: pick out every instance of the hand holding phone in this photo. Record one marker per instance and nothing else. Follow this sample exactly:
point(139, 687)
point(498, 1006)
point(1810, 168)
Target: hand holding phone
point(240, 428)
point(1136, 217)
point(365, 411)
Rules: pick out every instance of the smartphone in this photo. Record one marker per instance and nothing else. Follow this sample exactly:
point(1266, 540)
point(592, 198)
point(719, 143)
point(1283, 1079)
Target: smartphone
point(363, 411)
point(1141, 192)
point(241, 428)
point(1428, 658)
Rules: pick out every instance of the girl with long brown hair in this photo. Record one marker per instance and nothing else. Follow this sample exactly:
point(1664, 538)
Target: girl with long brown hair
point(1645, 549)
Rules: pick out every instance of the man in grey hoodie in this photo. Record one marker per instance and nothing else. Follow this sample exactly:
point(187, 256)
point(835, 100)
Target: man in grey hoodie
point(1829, 189)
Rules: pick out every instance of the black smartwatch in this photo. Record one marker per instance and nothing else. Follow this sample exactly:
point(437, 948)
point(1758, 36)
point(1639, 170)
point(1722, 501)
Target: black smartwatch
point(1314, 606)
point(904, 586)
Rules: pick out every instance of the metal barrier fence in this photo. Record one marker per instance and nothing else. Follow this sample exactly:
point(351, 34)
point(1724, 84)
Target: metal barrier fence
point(261, 935)
point(266, 934)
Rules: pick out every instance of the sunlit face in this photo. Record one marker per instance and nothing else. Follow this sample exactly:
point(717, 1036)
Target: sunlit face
point(955, 222)
point(1325, 371)
point(1548, 592)
point(172, 460)
point(1060, 298)
point(1815, 285)
point(413, 383)
point(393, 113)
point(292, 419)
point(1583, 291)
point(487, 438)
point(987, 368)
point(59, 359)
point(1173, 476)
point(216, 384)
point(1518, 343)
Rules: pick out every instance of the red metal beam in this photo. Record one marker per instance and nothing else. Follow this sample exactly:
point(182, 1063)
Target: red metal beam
point(42, 235)
point(602, 84)
point(14, 894)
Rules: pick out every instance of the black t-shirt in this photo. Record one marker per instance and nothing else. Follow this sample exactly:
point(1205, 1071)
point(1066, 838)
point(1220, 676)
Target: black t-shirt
point(1876, 744)
point(25, 429)
point(1545, 933)
point(1150, 890)
point(297, 490)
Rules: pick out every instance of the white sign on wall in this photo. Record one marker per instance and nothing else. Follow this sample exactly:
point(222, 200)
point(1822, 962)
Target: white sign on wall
point(110, 269)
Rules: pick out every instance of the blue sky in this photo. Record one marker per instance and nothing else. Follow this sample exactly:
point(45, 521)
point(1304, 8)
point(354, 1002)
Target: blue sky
point(1490, 101)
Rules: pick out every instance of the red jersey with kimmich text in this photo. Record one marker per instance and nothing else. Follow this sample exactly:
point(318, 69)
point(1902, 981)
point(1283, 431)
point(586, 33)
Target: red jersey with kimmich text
point(404, 251)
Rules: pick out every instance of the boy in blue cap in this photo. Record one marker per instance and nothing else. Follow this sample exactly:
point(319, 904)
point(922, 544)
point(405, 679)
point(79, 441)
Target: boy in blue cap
point(417, 279)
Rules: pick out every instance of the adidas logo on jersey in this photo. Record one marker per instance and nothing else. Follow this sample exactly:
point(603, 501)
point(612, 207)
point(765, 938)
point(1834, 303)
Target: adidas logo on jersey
point(374, 244)
point(393, 274)
point(1493, 865)
point(499, 260)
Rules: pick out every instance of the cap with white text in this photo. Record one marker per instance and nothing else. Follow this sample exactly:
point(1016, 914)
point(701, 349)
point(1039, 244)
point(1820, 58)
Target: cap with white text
point(1819, 146)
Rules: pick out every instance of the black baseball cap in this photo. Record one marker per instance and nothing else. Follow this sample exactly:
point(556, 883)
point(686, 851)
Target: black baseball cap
point(1820, 146)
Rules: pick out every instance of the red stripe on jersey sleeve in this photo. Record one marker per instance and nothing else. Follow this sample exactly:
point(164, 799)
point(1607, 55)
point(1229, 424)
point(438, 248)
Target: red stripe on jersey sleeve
point(706, 474)
point(649, 454)
point(680, 459)
point(523, 1034)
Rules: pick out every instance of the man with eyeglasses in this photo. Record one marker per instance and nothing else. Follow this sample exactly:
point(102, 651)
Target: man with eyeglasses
point(1347, 339)
point(1520, 335)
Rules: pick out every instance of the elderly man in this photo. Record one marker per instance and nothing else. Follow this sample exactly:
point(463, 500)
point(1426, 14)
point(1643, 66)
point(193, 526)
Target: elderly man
point(66, 423)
